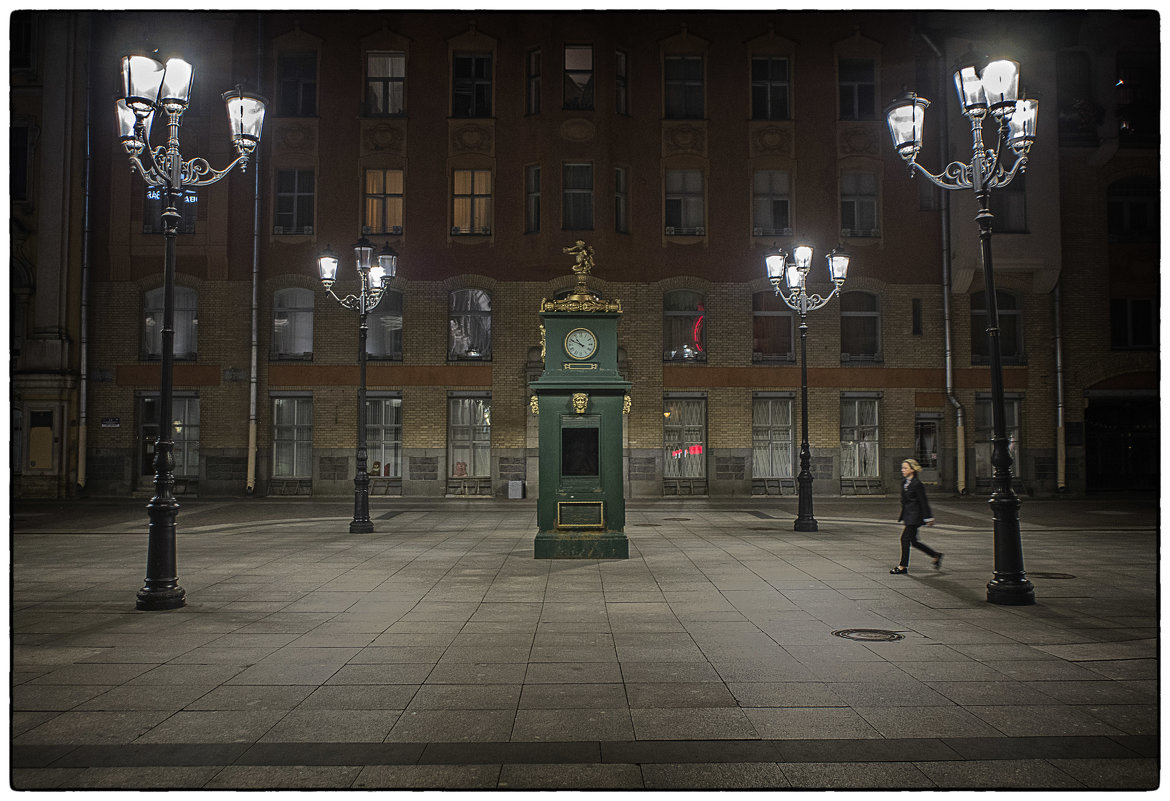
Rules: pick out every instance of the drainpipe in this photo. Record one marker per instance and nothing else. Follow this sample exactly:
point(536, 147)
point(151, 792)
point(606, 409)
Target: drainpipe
point(1061, 457)
point(83, 402)
point(960, 427)
point(250, 488)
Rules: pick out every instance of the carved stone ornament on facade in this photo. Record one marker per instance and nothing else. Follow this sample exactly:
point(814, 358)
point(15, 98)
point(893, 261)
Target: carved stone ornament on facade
point(534, 404)
point(772, 139)
point(296, 137)
point(580, 402)
point(627, 404)
point(578, 130)
point(471, 139)
point(384, 137)
point(684, 139)
point(858, 141)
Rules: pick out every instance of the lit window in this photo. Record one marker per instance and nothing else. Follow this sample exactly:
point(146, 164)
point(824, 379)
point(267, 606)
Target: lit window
point(471, 198)
point(859, 438)
point(684, 438)
point(683, 326)
point(384, 202)
point(384, 437)
point(184, 434)
point(384, 328)
point(469, 437)
point(773, 435)
point(470, 325)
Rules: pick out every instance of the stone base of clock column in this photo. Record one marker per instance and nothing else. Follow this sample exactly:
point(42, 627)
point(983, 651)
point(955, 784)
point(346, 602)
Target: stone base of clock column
point(575, 544)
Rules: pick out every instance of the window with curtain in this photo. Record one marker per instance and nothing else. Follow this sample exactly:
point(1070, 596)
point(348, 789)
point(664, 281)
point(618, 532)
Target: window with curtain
point(578, 77)
point(684, 203)
point(532, 199)
point(771, 194)
point(385, 84)
point(1011, 345)
point(684, 326)
point(186, 324)
point(860, 326)
point(856, 88)
point(296, 80)
point(684, 433)
point(770, 88)
point(470, 326)
point(683, 87)
point(292, 437)
point(772, 324)
point(577, 198)
point(773, 442)
point(469, 437)
point(292, 323)
point(471, 91)
point(184, 434)
point(471, 197)
point(295, 195)
point(384, 328)
point(384, 437)
point(859, 215)
point(859, 438)
point(985, 429)
point(384, 202)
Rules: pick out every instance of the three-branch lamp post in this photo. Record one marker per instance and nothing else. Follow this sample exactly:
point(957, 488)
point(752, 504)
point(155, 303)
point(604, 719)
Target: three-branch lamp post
point(988, 92)
point(795, 272)
point(373, 273)
point(149, 88)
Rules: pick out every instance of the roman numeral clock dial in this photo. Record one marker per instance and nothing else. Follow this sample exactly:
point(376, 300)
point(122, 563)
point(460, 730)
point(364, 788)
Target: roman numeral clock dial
point(580, 343)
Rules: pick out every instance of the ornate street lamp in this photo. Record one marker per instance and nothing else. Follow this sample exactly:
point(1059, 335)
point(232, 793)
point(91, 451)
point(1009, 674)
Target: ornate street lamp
point(152, 88)
point(373, 275)
point(988, 91)
point(795, 272)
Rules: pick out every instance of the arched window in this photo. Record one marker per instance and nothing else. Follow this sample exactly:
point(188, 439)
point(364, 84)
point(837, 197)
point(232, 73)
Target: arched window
point(186, 323)
point(1011, 343)
point(292, 324)
point(384, 324)
point(470, 324)
point(860, 327)
point(683, 326)
point(771, 328)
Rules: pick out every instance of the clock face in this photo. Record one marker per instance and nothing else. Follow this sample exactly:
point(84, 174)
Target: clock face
point(580, 343)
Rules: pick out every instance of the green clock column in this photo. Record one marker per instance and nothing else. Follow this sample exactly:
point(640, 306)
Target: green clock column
point(581, 399)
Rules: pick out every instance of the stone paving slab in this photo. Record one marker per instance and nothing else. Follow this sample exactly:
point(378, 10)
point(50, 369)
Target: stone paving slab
point(437, 653)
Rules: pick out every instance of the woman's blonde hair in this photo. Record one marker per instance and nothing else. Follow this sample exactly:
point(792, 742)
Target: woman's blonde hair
point(913, 465)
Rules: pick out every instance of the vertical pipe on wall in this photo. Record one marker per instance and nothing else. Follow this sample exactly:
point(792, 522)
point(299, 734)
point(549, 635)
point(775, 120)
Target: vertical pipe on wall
point(254, 367)
point(1061, 456)
point(83, 384)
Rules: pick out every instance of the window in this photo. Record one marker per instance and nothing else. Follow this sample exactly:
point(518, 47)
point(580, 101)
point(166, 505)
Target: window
point(184, 434)
point(19, 157)
point(384, 328)
point(859, 204)
point(153, 207)
point(297, 79)
point(1011, 345)
point(469, 437)
point(295, 195)
point(683, 331)
point(770, 88)
point(533, 81)
point(1138, 98)
point(771, 328)
point(579, 77)
point(1010, 207)
point(532, 199)
point(472, 88)
point(1132, 210)
point(859, 438)
point(186, 324)
point(385, 84)
point(860, 327)
point(770, 203)
point(470, 325)
point(856, 88)
point(985, 429)
point(621, 200)
point(683, 87)
point(773, 436)
point(577, 199)
point(622, 83)
point(292, 437)
point(684, 203)
point(292, 324)
point(471, 197)
point(1133, 323)
point(384, 202)
point(384, 437)
point(684, 435)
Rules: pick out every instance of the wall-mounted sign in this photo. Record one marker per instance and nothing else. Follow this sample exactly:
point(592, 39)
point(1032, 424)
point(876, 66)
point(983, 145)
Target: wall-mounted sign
point(111, 422)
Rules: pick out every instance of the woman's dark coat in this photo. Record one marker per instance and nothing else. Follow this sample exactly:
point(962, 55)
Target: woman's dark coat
point(915, 507)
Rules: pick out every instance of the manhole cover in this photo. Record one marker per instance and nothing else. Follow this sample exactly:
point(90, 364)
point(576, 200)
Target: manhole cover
point(868, 635)
point(1051, 575)
point(680, 519)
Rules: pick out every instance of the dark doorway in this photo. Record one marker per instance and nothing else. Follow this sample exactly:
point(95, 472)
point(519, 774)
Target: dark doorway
point(1121, 444)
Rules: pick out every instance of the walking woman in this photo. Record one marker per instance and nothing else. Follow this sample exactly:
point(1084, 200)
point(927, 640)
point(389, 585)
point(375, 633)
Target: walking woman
point(915, 512)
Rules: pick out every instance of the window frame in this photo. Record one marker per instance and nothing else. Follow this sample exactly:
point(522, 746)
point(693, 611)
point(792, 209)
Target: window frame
point(768, 85)
point(300, 444)
point(382, 204)
point(859, 201)
point(760, 315)
point(684, 204)
point(689, 453)
point(377, 441)
point(1122, 315)
point(469, 321)
point(297, 92)
point(771, 196)
point(684, 95)
point(479, 203)
point(695, 321)
point(985, 430)
point(153, 207)
point(297, 316)
point(477, 104)
point(186, 324)
point(571, 87)
point(622, 83)
point(573, 217)
point(621, 199)
point(532, 196)
point(392, 86)
point(391, 336)
point(856, 98)
point(295, 201)
point(478, 420)
point(773, 442)
point(852, 447)
point(874, 314)
point(1013, 312)
point(534, 80)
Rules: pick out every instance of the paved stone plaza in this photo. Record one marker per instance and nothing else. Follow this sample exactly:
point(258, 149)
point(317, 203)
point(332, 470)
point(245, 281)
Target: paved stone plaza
point(437, 653)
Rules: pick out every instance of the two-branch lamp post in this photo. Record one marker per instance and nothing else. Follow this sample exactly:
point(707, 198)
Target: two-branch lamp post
point(151, 87)
point(988, 91)
point(373, 274)
point(795, 272)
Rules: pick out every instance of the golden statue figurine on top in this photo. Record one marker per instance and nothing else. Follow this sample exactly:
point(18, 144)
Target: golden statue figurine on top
point(581, 299)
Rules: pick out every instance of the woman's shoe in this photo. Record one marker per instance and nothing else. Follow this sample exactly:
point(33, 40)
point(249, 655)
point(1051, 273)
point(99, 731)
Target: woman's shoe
point(898, 571)
point(938, 561)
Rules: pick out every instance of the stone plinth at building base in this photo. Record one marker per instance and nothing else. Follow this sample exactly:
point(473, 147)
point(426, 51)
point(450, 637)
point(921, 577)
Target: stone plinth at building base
point(572, 544)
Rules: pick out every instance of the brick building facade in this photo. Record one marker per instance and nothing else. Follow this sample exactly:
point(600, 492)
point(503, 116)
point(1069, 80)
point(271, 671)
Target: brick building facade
point(681, 147)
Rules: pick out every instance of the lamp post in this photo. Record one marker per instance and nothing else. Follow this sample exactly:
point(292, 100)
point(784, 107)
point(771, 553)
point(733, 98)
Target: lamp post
point(795, 273)
point(372, 277)
point(988, 92)
point(149, 88)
